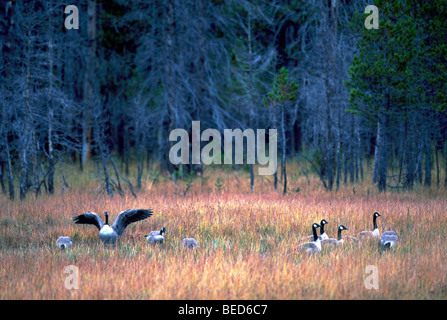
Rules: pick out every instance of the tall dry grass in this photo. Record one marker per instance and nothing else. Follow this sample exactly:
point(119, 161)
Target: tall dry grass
point(246, 240)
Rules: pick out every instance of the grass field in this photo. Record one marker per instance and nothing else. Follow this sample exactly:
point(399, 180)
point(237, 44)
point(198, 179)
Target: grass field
point(246, 240)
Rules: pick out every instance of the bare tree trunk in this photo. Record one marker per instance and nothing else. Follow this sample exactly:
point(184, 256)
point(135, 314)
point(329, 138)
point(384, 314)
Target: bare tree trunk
point(345, 168)
point(140, 168)
point(402, 148)
point(437, 164)
point(89, 82)
point(50, 153)
point(445, 164)
point(107, 182)
point(410, 152)
point(338, 160)
point(427, 150)
point(50, 107)
point(329, 151)
point(381, 152)
point(351, 153)
point(361, 168)
point(252, 88)
point(35, 171)
point(25, 134)
point(419, 164)
point(283, 160)
point(338, 167)
point(126, 150)
point(171, 94)
point(23, 172)
point(9, 171)
point(275, 175)
point(2, 174)
point(330, 82)
point(141, 137)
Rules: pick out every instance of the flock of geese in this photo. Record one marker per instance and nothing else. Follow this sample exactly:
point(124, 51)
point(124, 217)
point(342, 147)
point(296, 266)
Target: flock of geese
point(388, 239)
point(109, 234)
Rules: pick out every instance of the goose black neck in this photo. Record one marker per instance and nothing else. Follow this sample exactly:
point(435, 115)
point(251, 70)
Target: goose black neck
point(322, 228)
point(314, 231)
point(375, 222)
point(339, 234)
point(107, 219)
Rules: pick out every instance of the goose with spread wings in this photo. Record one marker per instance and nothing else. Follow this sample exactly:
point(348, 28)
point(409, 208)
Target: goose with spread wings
point(110, 234)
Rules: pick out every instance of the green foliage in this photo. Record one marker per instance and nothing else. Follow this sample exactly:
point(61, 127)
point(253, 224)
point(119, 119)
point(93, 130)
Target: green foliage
point(400, 66)
point(219, 185)
point(282, 91)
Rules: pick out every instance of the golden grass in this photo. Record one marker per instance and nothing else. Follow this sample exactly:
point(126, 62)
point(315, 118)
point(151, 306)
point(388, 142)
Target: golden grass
point(246, 243)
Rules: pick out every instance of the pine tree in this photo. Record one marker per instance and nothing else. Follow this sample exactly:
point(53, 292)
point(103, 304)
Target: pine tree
point(381, 78)
point(281, 93)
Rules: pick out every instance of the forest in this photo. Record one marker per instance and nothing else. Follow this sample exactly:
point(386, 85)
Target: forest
point(221, 135)
point(111, 91)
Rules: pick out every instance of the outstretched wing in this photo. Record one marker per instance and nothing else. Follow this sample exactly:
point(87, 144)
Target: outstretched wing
point(128, 216)
point(89, 218)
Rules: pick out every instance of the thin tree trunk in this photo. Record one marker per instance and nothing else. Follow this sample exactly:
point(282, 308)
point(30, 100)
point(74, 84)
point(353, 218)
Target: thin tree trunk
point(427, 148)
point(445, 164)
point(419, 165)
point(23, 172)
point(361, 169)
point(35, 171)
point(9, 171)
point(140, 165)
point(410, 154)
point(50, 107)
point(2, 174)
point(345, 168)
point(437, 165)
point(338, 166)
point(402, 153)
point(275, 175)
point(89, 83)
point(381, 152)
point(126, 150)
point(283, 161)
point(25, 133)
point(252, 88)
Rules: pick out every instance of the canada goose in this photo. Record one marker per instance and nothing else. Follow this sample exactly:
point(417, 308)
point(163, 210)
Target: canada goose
point(351, 239)
point(156, 236)
point(375, 233)
point(313, 246)
point(190, 243)
point(107, 234)
point(332, 241)
point(388, 240)
point(323, 235)
point(155, 233)
point(64, 242)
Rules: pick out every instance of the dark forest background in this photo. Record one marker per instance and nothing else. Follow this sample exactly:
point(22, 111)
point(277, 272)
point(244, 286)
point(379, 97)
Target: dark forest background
point(112, 91)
